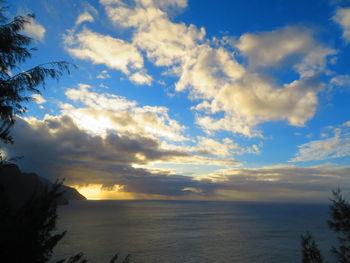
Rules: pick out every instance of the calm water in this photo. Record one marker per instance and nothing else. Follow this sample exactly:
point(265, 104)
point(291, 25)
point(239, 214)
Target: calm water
point(186, 231)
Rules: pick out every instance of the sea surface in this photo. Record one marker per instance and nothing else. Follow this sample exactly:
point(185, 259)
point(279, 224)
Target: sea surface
point(191, 231)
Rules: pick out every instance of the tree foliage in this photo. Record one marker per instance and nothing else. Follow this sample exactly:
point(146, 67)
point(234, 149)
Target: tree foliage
point(339, 223)
point(16, 85)
point(310, 251)
point(28, 232)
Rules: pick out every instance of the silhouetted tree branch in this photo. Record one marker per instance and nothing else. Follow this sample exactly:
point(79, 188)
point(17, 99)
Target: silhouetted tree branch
point(340, 223)
point(310, 251)
point(28, 232)
point(16, 84)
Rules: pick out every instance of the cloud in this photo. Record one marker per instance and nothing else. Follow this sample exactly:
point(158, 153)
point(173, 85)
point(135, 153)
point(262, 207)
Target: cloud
point(207, 70)
point(291, 44)
point(107, 140)
point(34, 30)
point(227, 147)
point(341, 81)
point(141, 78)
point(271, 47)
point(38, 98)
point(100, 49)
point(84, 17)
point(68, 146)
point(255, 99)
point(280, 182)
point(103, 75)
point(57, 147)
point(161, 41)
point(164, 5)
point(330, 148)
point(342, 18)
point(203, 161)
point(115, 53)
point(139, 11)
point(245, 94)
point(106, 112)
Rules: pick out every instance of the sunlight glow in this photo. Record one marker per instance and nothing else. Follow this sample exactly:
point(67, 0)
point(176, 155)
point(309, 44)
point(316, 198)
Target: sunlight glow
point(97, 125)
point(98, 192)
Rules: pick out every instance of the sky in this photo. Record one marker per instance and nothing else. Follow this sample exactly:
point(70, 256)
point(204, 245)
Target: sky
point(191, 100)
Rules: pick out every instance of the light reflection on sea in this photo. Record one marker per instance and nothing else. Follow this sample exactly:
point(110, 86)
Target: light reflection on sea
point(190, 231)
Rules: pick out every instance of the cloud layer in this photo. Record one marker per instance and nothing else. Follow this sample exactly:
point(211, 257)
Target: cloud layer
point(235, 86)
point(342, 17)
point(329, 148)
point(57, 147)
point(232, 81)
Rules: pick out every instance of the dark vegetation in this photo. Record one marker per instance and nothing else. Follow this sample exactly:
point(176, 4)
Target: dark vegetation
point(16, 85)
point(28, 214)
point(339, 223)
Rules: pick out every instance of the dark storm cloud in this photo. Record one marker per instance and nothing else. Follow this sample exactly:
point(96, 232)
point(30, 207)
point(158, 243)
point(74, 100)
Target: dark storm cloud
point(56, 147)
point(55, 142)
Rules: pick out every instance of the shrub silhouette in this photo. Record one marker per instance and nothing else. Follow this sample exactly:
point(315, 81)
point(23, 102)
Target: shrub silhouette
point(28, 232)
point(310, 251)
point(339, 223)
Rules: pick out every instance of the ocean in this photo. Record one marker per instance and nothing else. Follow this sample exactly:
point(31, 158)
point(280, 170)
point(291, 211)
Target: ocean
point(191, 231)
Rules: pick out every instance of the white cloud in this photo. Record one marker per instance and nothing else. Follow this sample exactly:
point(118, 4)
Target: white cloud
point(112, 52)
point(225, 148)
point(285, 45)
point(84, 17)
point(254, 99)
point(227, 123)
point(100, 49)
point(106, 112)
point(330, 148)
point(140, 11)
point(167, 43)
point(342, 17)
point(163, 4)
point(34, 30)
point(213, 147)
point(129, 17)
point(141, 78)
point(207, 70)
point(103, 75)
point(150, 3)
point(245, 95)
point(38, 98)
point(341, 81)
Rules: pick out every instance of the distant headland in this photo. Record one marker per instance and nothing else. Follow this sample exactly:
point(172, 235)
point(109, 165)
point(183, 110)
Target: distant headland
point(20, 186)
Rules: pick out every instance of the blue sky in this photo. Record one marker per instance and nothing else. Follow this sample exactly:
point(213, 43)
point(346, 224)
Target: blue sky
point(176, 99)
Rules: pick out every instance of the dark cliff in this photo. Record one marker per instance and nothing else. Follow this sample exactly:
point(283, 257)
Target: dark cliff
point(21, 186)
